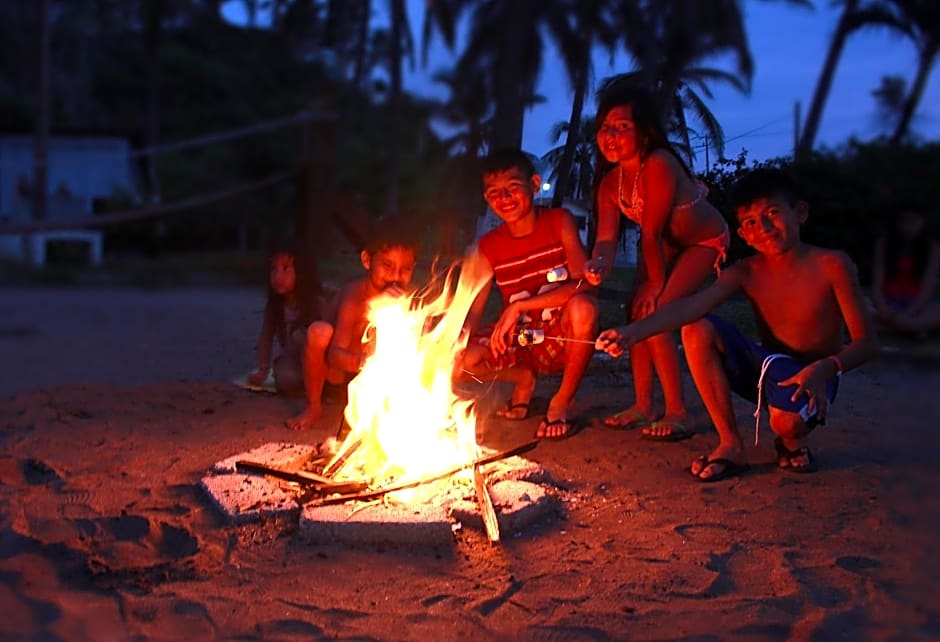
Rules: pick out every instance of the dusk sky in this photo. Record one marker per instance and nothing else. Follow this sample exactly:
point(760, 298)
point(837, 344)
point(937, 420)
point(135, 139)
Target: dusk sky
point(788, 45)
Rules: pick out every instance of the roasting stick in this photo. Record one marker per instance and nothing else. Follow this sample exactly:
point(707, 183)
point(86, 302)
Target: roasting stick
point(487, 511)
point(535, 336)
point(566, 340)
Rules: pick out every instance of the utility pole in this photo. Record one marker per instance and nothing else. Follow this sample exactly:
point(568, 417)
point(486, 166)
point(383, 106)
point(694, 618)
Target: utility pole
point(796, 129)
point(41, 139)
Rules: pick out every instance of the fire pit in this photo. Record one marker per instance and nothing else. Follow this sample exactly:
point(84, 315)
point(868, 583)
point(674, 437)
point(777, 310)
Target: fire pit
point(410, 452)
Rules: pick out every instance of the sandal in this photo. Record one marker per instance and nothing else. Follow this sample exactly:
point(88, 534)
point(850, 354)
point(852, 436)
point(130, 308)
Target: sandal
point(724, 469)
point(628, 419)
point(571, 428)
point(786, 455)
point(510, 411)
point(677, 431)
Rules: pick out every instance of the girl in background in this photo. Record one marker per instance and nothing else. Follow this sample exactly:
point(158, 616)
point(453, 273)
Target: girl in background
point(905, 271)
point(683, 239)
point(291, 306)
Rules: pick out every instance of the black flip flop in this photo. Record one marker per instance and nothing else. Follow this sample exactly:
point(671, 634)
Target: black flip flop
point(785, 453)
point(730, 469)
point(574, 428)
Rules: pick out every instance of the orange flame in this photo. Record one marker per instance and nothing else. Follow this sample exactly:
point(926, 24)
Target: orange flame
point(405, 419)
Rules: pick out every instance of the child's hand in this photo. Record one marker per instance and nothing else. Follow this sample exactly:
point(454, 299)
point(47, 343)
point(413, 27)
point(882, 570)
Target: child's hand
point(594, 271)
point(258, 378)
point(614, 341)
point(396, 290)
point(501, 338)
point(811, 381)
point(644, 303)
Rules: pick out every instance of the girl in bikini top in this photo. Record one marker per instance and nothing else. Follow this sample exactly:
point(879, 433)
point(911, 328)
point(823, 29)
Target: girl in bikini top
point(633, 209)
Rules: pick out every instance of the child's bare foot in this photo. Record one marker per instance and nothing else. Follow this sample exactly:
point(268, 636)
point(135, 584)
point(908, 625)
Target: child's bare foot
point(306, 419)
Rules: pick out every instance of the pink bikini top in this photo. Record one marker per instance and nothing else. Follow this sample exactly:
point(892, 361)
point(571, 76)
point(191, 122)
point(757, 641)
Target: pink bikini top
point(634, 208)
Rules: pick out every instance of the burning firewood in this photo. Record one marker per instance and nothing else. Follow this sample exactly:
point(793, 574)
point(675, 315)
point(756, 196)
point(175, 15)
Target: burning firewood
point(487, 511)
point(304, 478)
point(347, 448)
point(379, 492)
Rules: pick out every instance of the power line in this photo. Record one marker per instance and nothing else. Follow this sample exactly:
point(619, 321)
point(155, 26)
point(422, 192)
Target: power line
point(210, 139)
point(145, 212)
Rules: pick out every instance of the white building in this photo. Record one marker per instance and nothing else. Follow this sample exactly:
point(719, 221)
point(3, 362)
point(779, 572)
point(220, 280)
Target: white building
point(81, 170)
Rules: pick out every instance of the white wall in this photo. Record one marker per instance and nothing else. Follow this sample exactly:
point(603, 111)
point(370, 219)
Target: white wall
point(85, 167)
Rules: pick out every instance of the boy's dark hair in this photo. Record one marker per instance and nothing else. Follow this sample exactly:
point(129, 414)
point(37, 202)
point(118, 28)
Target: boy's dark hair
point(764, 182)
point(505, 158)
point(392, 231)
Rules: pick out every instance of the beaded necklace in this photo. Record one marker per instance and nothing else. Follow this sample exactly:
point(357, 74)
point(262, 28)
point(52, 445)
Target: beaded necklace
point(634, 208)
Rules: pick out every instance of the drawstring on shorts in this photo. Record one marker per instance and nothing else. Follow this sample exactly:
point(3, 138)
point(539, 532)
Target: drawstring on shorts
point(769, 359)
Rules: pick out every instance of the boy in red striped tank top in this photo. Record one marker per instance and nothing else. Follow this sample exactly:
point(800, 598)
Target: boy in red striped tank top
point(538, 265)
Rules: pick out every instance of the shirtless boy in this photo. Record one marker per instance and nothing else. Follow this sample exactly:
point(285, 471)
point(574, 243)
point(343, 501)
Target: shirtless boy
point(538, 265)
point(333, 351)
point(804, 297)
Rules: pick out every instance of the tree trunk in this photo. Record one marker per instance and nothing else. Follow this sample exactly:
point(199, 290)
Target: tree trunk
point(154, 35)
point(571, 141)
point(924, 64)
point(511, 94)
point(824, 83)
point(43, 100)
point(394, 105)
point(41, 140)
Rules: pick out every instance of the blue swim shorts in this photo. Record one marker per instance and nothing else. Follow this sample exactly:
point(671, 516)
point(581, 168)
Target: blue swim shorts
point(743, 361)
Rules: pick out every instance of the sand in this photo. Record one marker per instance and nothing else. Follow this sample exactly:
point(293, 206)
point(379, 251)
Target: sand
point(113, 404)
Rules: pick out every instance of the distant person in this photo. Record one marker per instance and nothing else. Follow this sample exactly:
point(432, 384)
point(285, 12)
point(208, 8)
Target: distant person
point(333, 349)
point(538, 265)
point(905, 272)
point(683, 239)
point(291, 305)
point(803, 298)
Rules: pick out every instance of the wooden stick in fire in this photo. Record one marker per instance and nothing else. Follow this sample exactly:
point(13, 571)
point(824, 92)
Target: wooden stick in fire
point(346, 449)
point(487, 511)
point(372, 494)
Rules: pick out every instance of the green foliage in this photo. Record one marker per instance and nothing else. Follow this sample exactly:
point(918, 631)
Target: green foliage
point(852, 191)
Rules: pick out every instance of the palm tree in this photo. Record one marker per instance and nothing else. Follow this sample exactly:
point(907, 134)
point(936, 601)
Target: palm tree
point(467, 111)
point(889, 97)
point(856, 15)
point(592, 27)
point(505, 41)
point(467, 115)
point(668, 41)
point(581, 167)
point(400, 44)
point(923, 20)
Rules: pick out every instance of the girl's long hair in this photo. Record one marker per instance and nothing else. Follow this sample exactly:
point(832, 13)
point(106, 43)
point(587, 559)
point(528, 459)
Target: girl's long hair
point(305, 289)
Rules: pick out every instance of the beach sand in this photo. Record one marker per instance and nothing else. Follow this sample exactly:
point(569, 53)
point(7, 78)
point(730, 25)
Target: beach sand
point(115, 402)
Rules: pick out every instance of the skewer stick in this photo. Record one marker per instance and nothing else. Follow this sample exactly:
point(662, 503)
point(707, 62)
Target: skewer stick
point(473, 376)
point(565, 339)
